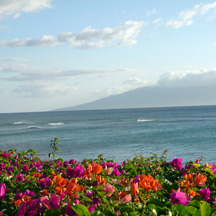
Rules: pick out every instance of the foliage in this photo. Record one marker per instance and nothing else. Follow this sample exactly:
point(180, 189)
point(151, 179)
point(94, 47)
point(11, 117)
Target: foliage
point(99, 187)
point(53, 144)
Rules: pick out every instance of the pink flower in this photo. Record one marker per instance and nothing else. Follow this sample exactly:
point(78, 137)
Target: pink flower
point(205, 193)
point(179, 198)
point(127, 198)
point(2, 191)
point(177, 163)
point(55, 200)
point(109, 189)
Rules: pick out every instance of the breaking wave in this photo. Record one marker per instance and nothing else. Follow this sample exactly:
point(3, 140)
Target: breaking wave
point(56, 123)
point(145, 120)
point(33, 127)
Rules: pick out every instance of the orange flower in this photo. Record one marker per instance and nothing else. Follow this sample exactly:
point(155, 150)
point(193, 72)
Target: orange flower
point(192, 193)
point(53, 174)
point(18, 202)
point(137, 200)
point(60, 182)
point(200, 179)
point(147, 182)
point(26, 198)
point(38, 175)
point(157, 186)
point(45, 192)
point(148, 195)
point(189, 177)
point(100, 180)
point(134, 188)
point(96, 168)
point(73, 188)
point(185, 183)
point(88, 172)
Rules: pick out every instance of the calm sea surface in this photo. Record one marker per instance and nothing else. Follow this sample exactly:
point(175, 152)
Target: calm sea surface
point(187, 132)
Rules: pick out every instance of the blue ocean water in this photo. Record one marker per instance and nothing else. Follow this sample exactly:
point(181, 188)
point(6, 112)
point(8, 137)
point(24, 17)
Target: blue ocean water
point(187, 132)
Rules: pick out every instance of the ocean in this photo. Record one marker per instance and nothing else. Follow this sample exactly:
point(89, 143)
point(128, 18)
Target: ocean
point(118, 134)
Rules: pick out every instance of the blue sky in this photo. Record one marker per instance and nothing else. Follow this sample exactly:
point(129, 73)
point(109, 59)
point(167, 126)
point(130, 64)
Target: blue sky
point(56, 54)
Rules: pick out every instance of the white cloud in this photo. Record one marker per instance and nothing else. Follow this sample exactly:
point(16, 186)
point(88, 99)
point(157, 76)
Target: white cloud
point(89, 38)
point(188, 79)
point(43, 90)
point(152, 12)
point(157, 21)
point(15, 7)
point(186, 17)
point(127, 85)
point(13, 59)
point(23, 72)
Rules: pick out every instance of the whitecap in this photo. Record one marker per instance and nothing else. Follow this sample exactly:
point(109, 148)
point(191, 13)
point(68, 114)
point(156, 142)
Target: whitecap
point(145, 120)
point(56, 123)
point(18, 123)
point(33, 127)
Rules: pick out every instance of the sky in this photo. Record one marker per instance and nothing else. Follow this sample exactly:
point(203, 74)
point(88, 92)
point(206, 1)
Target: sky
point(62, 53)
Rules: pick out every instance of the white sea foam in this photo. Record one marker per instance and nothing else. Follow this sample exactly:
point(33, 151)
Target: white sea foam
point(18, 123)
point(145, 120)
point(56, 123)
point(33, 127)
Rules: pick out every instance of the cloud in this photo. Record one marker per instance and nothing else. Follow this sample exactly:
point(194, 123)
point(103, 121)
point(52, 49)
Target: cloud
point(43, 90)
point(13, 59)
point(15, 7)
point(157, 21)
point(127, 85)
point(89, 38)
point(23, 72)
point(152, 12)
point(186, 17)
point(197, 78)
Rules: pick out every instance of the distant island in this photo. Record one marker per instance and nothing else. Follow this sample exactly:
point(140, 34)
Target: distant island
point(154, 96)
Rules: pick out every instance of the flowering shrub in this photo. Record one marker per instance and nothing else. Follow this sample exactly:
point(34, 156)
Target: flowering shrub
point(142, 186)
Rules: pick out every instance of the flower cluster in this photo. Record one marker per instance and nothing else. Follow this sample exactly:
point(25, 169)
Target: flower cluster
point(142, 186)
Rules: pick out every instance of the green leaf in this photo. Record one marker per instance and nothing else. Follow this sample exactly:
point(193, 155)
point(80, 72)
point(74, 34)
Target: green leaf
point(81, 210)
point(32, 151)
point(156, 202)
point(181, 209)
point(209, 171)
point(205, 209)
point(191, 210)
point(194, 203)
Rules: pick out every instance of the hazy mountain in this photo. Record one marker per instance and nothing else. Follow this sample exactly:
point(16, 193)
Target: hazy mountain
point(154, 96)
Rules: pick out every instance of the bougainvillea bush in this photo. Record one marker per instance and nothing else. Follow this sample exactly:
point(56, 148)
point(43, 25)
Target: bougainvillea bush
point(142, 186)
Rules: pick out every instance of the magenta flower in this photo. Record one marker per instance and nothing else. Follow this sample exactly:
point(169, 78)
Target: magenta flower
point(55, 200)
point(25, 168)
point(179, 197)
point(10, 168)
point(27, 208)
point(2, 191)
point(38, 166)
point(177, 163)
point(2, 166)
point(109, 189)
point(78, 171)
point(205, 193)
point(45, 201)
